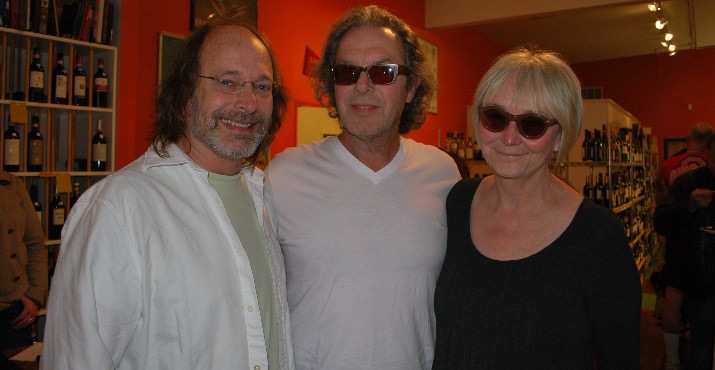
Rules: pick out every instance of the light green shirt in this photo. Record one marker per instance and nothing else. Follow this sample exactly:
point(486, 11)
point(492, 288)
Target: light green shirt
point(241, 211)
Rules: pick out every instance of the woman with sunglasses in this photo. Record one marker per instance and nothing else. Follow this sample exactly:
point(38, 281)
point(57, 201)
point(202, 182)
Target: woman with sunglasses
point(535, 276)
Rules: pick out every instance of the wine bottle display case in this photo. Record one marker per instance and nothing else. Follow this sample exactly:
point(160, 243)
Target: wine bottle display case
point(75, 113)
point(615, 164)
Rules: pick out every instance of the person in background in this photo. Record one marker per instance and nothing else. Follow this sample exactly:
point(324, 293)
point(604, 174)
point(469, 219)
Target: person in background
point(686, 218)
point(360, 216)
point(674, 269)
point(535, 276)
point(169, 263)
point(23, 264)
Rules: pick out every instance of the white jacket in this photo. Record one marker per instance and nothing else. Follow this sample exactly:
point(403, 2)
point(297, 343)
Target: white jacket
point(152, 275)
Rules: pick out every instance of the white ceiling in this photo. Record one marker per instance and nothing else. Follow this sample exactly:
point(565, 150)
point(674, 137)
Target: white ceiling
point(581, 30)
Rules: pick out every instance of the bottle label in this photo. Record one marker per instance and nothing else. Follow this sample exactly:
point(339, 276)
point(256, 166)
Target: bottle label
point(58, 216)
point(12, 152)
point(61, 86)
point(80, 83)
point(37, 79)
point(35, 154)
point(101, 84)
point(99, 152)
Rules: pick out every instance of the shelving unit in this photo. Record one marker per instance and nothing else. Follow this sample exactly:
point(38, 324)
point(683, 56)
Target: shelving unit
point(628, 181)
point(67, 129)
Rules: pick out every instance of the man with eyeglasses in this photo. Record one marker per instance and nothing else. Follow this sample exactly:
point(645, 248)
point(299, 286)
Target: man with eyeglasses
point(169, 263)
point(361, 216)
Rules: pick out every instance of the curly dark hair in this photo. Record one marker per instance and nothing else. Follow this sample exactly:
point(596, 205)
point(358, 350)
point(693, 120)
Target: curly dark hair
point(177, 89)
point(414, 114)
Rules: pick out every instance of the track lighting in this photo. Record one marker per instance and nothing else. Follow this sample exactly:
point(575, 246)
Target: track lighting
point(653, 7)
point(660, 23)
point(668, 36)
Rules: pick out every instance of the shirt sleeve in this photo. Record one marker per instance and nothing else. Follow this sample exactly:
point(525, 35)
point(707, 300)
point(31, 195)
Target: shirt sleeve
point(95, 300)
point(34, 240)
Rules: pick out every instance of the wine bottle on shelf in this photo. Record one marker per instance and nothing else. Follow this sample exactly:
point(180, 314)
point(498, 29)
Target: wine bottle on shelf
point(99, 149)
point(11, 144)
point(59, 81)
point(79, 83)
point(598, 191)
point(57, 217)
point(36, 202)
point(101, 86)
point(37, 78)
point(35, 146)
point(586, 153)
point(588, 188)
point(75, 194)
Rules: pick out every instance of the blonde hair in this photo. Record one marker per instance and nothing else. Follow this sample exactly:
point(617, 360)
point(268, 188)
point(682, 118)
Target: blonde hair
point(547, 84)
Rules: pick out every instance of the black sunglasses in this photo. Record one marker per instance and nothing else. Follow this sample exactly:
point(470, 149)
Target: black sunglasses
point(530, 125)
point(378, 74)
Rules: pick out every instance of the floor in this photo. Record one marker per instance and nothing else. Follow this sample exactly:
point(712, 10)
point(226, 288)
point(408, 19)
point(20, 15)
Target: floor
point(652, 350)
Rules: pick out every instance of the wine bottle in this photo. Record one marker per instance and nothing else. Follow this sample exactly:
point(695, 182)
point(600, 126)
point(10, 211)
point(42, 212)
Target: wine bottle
point(101, 86)
point(79, 83)
point(59, 81)
point(36, 202)
point(35, 146)
point(11, 143)
point(99, 149)
point(57, 218)
point(75, 194)
point(37, 78)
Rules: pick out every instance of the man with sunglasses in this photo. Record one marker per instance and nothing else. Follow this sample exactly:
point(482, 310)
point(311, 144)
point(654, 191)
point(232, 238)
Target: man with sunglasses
point(360, 217)
point(170, 263)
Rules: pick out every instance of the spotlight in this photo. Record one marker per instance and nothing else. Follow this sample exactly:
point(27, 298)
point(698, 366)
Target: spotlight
point(671, 48)
point(653, 7)
point(671, 53)
point(664, 43)
point(660, 23)
point(668, 36)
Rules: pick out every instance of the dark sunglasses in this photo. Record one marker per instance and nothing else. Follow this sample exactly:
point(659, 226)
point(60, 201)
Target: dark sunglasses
point(378, 74)
point(530, 125)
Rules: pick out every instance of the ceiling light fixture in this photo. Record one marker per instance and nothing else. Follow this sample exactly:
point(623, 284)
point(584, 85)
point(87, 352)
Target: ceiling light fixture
point(653, 7)
point(664, 43)
point(660, 23)
point(668, 36)
point(671, 47)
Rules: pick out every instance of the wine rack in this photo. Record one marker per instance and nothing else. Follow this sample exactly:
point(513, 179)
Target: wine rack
point(614, 163)
point(68, 127)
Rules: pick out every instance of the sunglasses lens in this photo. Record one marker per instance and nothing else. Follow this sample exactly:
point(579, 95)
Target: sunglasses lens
point(382, 74)
point(532, 127)
point(346, 74)
point(494, 120)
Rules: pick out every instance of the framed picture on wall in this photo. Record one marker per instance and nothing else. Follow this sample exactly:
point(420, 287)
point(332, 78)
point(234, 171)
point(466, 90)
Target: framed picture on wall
point(204, 10)
point(429, 50)
point(672, 146)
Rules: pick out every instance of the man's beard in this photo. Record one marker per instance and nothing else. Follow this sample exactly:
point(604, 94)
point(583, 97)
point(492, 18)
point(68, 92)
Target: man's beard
point(204, 128)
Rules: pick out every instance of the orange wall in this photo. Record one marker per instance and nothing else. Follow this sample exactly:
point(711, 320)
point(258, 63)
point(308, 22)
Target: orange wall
point(656, 89)
point(463, 58)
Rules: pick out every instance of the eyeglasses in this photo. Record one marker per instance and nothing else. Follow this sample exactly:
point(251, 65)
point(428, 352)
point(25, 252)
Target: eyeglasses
point(378, 74)
point(262, 89)
point(530, 125)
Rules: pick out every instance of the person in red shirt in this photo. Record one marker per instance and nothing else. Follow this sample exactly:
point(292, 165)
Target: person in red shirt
point(693, 157)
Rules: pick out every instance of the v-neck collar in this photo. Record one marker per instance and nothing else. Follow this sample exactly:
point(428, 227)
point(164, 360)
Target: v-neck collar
point(374, 176)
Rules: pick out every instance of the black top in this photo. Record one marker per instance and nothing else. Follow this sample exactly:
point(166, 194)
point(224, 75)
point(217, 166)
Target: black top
point(575, 302)
point(680, 226)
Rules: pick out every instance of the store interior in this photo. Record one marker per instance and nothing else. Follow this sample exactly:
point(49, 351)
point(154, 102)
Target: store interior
point(613, 47)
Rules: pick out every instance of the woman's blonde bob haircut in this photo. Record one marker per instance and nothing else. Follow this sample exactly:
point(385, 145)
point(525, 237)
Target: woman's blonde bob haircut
point(545, 82)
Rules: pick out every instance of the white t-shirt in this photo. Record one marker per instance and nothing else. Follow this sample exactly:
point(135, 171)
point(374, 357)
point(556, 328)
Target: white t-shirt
point(363, 251)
